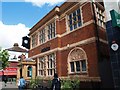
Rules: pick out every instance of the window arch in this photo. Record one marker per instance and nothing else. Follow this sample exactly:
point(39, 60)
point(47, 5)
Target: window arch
point(29, 71)
point(77, 61)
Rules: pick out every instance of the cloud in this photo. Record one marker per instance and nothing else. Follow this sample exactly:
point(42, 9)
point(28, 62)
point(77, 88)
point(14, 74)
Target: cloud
point(39, 3)
point(10, 34)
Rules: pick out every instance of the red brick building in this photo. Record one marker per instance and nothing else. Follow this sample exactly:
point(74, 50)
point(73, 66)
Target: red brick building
point(14, 56)
point(71, 40)
point(10, 71)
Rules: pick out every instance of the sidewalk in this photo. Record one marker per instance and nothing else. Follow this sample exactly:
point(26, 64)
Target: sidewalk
point(9, 86)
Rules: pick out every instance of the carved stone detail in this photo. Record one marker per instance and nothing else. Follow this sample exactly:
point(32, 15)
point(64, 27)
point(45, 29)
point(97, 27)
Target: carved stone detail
point(77, 54)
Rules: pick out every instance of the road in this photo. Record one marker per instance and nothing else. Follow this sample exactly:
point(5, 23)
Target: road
point(9, 86)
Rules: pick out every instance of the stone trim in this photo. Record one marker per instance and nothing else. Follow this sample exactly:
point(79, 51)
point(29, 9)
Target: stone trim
point(83, 42)
point(83, 57)
point(83, 78)
point(80, 43)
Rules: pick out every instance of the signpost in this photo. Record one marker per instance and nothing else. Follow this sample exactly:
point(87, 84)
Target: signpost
point(115, 18)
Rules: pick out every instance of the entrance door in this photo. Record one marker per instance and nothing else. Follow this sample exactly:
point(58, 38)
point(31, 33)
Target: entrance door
point(21, 72)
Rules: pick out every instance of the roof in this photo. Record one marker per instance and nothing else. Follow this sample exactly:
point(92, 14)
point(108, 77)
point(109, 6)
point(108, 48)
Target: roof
point(17, 48)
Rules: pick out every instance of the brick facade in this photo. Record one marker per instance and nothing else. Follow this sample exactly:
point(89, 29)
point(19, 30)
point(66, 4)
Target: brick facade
point(83, 37)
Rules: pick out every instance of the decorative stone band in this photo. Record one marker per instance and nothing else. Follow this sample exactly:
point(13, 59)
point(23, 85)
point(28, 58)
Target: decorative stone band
point(26, 63)
point(83, 42)
point(83, 78)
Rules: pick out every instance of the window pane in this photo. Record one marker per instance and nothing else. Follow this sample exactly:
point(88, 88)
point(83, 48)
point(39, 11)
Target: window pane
point(79, 23)
point(70, 16)
point(41, 65)
point(42, 36)
point(83, 63)
point(79, 18)
point(100, 16)
point(50, 63)
point(70, 22)
point(50, 71)
point(74, 20)
point(54, 70)
point(75, 25)
point(34, 41)
point(29, 71)
point(74, 14)
point(71, 28)
point(72, 66)
point(78, 11)
point(77, 66)
point(51, 30)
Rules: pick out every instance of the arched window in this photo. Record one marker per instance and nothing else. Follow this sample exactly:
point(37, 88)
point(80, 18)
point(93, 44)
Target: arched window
point(29, 71)
point(77, 61)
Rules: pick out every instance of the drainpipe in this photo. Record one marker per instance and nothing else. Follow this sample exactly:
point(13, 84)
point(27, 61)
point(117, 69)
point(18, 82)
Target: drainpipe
point(97, 39)
point(96, 32)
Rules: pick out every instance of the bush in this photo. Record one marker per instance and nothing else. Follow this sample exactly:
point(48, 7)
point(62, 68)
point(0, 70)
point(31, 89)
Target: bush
point(35, 82)
point(70, 84)
point(73, 84)
point(40, 83)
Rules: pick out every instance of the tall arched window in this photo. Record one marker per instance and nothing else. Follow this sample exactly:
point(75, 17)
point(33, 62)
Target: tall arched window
point(29, 71)
point(77, 61)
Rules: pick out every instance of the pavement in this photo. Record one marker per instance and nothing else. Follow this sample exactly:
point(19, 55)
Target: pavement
point(9, 86)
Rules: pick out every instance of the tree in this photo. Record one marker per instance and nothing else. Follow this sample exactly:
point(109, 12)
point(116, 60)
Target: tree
point(4, 57)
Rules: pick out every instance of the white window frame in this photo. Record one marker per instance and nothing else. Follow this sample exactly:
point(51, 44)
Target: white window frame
point(100, 16)
point(42, 36)
point(51, 64)
point(81, 69)
point(41, 66)
point(46, 69)
point(51, 30)
point(77, 54)
point(34, 40)
point(76, 21)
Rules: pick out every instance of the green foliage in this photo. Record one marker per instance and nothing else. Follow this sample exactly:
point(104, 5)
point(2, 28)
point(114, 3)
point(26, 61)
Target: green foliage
point(32, 83)
point(76, 82)
point(4, 57)
point(40, 81)
point(49, 83)
point(35, 82)
point(70, 84)
point(66, 84)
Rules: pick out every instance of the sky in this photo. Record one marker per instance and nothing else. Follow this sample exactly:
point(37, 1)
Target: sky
point(18, 16)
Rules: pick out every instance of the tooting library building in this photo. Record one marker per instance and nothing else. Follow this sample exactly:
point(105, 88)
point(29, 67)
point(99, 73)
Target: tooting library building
point(71, 40)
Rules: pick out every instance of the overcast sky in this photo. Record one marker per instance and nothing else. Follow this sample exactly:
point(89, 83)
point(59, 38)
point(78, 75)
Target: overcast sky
point(109, 5)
